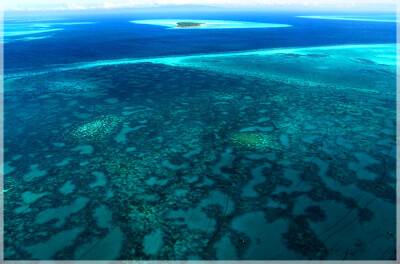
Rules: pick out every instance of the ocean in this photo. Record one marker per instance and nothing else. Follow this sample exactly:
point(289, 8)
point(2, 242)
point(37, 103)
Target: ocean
point(257, 136)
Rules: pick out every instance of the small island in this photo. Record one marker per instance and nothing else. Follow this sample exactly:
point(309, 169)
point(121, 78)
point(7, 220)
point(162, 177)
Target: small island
point(188, 24)
point(182, 23)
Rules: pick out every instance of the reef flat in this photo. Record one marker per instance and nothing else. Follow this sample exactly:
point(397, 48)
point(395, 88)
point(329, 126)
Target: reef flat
point(290, 65)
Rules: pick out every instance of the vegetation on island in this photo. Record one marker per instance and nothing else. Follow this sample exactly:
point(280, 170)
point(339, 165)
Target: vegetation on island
point(189, 24)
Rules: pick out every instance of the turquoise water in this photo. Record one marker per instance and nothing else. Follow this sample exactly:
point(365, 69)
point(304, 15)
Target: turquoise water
point(267, 153)
point(11, 31)
point(366, 18)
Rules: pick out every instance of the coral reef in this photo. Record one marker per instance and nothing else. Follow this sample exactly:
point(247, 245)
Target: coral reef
point(95, 130)
point(177, 169)
point(253, 141)
point(68, 87)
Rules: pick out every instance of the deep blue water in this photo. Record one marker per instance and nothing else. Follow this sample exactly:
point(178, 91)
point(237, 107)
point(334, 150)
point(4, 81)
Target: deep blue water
point(112, 37)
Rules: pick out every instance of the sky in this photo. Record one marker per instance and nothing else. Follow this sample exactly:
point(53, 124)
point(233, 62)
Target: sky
point(60, 5)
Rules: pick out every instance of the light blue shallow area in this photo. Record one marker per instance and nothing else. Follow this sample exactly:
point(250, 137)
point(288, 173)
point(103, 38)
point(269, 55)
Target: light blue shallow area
point(208, 24)
point(34, 19)
point(19, 30)
point(383, 18)
point(29, 38)
point(376, 53)
point(23, 29)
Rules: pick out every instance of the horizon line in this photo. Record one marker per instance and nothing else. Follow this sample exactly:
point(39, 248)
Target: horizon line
point(385, 8)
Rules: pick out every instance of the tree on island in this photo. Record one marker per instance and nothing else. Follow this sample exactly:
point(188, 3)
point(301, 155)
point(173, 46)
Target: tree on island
point(189, 24)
